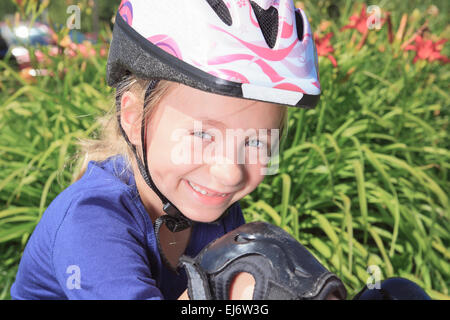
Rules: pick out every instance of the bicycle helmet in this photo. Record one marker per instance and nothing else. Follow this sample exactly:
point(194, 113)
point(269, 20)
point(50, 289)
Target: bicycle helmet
point(253, 49)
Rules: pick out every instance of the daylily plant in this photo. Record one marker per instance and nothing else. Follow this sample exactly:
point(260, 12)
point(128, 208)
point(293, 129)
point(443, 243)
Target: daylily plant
point(358, 22)
point(428, 50)
point(362, 21)
point(324, 48)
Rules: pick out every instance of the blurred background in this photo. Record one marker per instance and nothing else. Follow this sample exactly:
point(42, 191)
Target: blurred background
point(363, 180)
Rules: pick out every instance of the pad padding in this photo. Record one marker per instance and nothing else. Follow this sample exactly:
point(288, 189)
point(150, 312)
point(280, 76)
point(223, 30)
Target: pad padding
point(282, 268)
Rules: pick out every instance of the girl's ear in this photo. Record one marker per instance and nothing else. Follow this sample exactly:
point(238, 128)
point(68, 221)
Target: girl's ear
point(130, 116)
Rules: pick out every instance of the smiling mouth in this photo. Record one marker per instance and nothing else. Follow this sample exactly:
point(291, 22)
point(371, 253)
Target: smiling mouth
point(206, 192)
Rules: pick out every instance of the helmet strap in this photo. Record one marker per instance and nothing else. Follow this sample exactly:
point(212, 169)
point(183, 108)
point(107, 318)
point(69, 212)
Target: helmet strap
point(173, 219)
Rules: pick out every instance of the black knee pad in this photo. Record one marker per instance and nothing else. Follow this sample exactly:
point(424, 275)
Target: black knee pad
point(283, 269)
point(393, 289)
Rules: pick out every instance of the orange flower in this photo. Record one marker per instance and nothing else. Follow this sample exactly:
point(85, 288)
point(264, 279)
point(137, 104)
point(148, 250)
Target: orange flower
point(19, 3)
point(27, 75)
point(103, 52)
point(359, 22)
point(86, 50)
point(427, 50)
point(65, 42)
point(324, 25)
point(324, 48)
point(362, 21)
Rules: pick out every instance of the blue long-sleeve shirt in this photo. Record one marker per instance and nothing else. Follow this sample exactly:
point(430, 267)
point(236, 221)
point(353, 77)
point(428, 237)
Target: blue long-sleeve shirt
point(96, 241)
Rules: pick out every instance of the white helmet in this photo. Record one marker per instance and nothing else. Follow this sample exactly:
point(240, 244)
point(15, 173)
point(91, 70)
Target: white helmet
point(254, 49)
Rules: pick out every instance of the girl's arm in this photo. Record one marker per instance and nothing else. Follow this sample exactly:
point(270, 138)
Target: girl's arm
point(241, 288)
point(184, 296)
point(99, 252)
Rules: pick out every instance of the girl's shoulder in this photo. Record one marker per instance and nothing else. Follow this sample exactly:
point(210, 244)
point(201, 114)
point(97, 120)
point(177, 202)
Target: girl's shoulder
point(97, 215)
point(113, 172)
point(106, 191)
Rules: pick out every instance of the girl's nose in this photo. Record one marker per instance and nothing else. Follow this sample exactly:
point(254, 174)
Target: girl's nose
point(227, 173)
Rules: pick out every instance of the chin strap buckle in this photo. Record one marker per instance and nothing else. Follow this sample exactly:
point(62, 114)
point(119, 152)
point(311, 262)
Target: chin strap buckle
point(174, 224)
point(174, 220)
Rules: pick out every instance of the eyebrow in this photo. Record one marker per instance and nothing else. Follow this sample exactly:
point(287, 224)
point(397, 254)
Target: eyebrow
point(211, 121)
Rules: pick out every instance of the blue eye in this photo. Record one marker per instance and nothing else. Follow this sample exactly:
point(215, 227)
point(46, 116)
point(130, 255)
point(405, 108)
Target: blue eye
point(255, 143)
point(203, 135)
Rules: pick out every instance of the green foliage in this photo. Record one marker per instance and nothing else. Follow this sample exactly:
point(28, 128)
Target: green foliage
point(106, 9)
point(363, 178)
point(6, 7)
point(56, 11)
point(40, 124)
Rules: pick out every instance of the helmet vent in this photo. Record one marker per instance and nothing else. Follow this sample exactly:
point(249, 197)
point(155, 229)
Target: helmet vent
point(221, 9)
point(299, 23)
point(268, 22)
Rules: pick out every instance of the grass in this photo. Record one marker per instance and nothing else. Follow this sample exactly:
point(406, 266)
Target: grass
point(363, 178)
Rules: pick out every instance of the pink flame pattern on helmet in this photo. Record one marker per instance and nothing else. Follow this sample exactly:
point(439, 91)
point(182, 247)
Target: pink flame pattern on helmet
point(167, 44)
point(192, 32)
point(126, 11)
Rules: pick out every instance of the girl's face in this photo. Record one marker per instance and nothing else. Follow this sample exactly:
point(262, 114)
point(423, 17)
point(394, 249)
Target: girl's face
point(207, 151)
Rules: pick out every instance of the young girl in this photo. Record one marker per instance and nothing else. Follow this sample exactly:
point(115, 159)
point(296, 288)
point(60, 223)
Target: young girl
point(200, 93)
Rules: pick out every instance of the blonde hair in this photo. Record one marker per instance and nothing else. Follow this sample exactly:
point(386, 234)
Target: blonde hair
point(110, 141)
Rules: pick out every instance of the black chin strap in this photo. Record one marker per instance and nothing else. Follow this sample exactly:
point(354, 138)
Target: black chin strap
point(174, 220)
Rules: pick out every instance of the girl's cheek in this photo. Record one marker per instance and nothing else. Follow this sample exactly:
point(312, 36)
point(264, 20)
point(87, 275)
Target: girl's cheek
point(183, 152)
point(253, 176)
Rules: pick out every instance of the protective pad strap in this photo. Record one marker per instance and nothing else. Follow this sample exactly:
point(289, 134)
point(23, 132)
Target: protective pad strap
point(198, 287)
point(256, 265)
